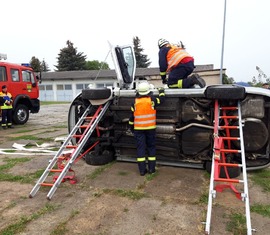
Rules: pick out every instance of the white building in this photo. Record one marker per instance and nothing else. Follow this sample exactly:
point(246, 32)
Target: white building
point(64, 86)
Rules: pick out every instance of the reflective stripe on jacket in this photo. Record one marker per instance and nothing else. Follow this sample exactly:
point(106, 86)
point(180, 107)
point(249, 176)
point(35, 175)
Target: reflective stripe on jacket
point(175, 55)
point(7, 98)
point(144, 114)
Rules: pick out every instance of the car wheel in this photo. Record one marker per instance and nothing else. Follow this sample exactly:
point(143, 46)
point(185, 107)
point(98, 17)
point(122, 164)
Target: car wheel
point(96, 94)
point(99, 159)
point(20, 114)
point(232, 171)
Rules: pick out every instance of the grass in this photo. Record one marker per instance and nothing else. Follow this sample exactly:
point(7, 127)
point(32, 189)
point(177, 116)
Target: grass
point(11, 162)
point(61, 228)
point(99, 171)
point(263, 210)
point(262, 178)
point(132, 194)
point(237, 224)
point(19, 225)
point(31, 137)
point(53, 102)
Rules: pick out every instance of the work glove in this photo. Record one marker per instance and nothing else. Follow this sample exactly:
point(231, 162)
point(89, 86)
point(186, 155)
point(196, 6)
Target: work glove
point(164, 79)
point(161, 90)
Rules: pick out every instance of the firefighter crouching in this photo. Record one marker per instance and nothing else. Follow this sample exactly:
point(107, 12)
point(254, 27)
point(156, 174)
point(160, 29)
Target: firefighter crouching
point(143, 124)
point(6, 108)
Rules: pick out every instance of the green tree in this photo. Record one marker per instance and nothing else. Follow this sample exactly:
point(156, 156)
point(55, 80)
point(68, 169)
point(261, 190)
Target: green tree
point(35, 64)
point(227, 80)
point(96, 65)
point(44, 66)
point(141, 59)
point(69, 59)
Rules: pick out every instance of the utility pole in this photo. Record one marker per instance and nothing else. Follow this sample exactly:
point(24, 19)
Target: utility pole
point(223, 37)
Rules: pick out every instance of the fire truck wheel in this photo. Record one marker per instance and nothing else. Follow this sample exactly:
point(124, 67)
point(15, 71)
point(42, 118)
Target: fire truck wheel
point(20, 114)
point(96, 94)
point(233, 172)
point(94, 159)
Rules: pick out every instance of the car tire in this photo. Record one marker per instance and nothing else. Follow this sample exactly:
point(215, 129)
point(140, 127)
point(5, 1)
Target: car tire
point(232, 171)
point(95, 159)
point(20, 114)
point(96, 94)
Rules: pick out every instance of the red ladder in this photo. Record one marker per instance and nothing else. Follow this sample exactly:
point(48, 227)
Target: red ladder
point(63, 160)
point(219, 160)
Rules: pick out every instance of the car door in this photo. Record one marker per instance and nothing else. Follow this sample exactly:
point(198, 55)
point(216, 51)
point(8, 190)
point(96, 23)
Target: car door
point(125, 65)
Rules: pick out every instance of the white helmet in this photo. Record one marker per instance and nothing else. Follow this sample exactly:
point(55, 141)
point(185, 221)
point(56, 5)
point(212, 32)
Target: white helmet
point(143, 88)
point(162, 42)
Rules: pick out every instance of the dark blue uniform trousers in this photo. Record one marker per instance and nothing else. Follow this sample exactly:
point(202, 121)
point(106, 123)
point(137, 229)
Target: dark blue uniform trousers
point(146, 147)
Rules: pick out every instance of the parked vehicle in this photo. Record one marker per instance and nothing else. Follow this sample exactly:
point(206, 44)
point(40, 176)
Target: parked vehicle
point(184, 121)
point(22, 83)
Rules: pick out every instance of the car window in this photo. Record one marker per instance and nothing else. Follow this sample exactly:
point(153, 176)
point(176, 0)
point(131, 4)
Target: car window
point(3, 74)
point(126, 62)
point(15, 75)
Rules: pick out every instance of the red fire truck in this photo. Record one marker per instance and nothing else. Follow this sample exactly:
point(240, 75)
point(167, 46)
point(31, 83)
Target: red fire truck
point(22, 83)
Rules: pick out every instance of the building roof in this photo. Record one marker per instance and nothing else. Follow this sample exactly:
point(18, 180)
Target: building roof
point(93, 74)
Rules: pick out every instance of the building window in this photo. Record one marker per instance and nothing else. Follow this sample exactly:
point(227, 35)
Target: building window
point(60, 87)
point(68, 87)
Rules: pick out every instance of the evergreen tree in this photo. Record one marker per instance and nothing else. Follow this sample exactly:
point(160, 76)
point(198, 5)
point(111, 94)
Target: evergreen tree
point(227, 80)
point(35, 64)
point(141, 59)
point(44, 66)
point(96, 65)
point(69, 59)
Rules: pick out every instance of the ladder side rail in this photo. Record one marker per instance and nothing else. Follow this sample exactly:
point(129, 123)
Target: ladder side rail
point(90, 124)
point(215, 157)
point(76, 153)
point(55, 158)
point(244, 172)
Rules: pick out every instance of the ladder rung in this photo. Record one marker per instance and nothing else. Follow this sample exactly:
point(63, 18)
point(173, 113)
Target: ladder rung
point(228, 108)
point(56, 170)
point(229, 164)
point(84, 126)
point(229, 127)
point(71, 146)
point(230, 138)
point(230, 150)
point(228, 180)
point(46, 184)
point(88, 118)
point(78, 136)
point(231, 117)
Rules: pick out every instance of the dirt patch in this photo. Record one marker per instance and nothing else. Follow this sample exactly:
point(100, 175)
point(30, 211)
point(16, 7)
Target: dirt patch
point(170, 203)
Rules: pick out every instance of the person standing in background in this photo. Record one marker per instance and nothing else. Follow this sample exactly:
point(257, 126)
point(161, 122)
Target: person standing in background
point(6, 108)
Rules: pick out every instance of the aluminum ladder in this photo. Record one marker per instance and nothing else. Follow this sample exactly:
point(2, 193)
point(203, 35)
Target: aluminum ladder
point(76, 149)
point(217, 184)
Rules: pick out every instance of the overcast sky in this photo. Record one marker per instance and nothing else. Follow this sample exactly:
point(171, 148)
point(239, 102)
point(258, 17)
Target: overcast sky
point(41, 28)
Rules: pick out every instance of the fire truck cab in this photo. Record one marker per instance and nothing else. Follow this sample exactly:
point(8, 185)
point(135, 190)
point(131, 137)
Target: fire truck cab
point(22, 83)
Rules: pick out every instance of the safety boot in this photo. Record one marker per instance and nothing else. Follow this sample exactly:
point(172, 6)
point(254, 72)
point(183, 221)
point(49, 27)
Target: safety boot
point(142, 168)
point(151, 167)
point(196, 79)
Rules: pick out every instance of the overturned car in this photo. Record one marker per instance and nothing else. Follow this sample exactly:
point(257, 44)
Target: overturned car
point(185, 122)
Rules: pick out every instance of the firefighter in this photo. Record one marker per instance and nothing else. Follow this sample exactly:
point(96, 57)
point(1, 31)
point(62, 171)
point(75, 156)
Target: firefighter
point(178, 64)
point(6, 108)
point(143, 124)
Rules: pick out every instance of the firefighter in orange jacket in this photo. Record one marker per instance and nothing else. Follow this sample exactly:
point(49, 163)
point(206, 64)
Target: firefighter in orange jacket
point(175, 61)
point(6, 108)
point(143, 124)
